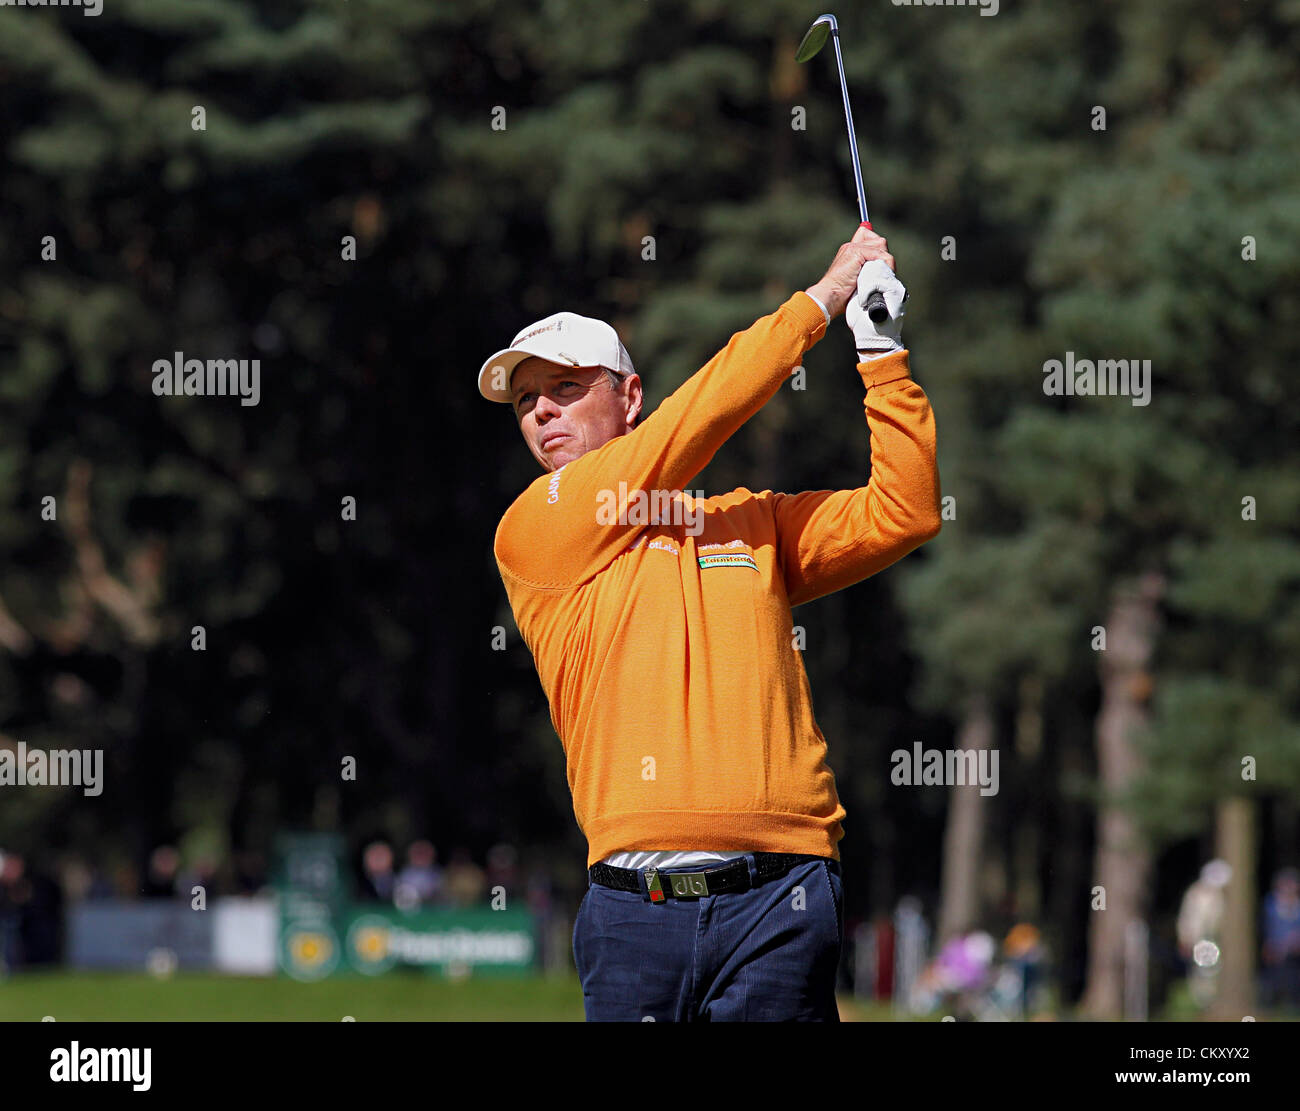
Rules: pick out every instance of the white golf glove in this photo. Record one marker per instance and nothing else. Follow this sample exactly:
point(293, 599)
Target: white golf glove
point(872, 339)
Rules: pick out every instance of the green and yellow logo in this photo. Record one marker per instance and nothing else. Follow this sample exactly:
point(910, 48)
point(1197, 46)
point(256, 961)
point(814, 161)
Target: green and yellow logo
point(310, 952)
point(731, 559)
point(369, 944)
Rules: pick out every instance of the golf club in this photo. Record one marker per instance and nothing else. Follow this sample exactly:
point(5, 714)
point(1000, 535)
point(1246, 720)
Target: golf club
point(813, 41)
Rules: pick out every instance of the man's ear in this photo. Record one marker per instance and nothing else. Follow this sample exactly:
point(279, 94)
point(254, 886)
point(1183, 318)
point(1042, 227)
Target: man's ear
point(635, 398)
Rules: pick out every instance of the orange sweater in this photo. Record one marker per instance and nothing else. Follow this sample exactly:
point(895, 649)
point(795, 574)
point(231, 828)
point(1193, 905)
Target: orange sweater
point(666, 649)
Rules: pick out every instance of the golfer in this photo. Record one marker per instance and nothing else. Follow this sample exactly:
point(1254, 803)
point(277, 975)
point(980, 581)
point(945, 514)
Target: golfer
point(660, 627)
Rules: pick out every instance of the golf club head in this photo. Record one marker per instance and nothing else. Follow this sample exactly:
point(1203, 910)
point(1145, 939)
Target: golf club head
point(815, 38)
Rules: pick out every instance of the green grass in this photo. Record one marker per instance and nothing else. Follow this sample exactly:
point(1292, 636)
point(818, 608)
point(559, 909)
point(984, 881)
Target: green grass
point(72, 996)
point(129, 997)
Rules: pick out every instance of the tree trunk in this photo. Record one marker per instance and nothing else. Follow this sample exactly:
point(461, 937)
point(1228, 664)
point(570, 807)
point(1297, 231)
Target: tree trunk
point(1029, 744)
point(1122, 864)
point(963, 838)
point(1235, 843)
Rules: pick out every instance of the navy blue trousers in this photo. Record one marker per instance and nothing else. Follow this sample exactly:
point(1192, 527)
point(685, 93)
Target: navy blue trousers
point(769, 954)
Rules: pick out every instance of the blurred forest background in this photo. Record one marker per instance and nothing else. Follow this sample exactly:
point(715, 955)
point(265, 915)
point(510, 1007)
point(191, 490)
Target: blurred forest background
point(1022, 229)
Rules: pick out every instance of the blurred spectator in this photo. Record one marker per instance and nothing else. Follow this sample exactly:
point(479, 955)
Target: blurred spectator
point(963, 964)
point(539, 890)
point(420, 883)
point(75, 878)
point(126, 881)
point(101, 884)
point(503, 870)
point(466, 883)
point(1025, 955)
point(80, 880)
point(958, 974)
point(881, 982)
point(31, 914)
point(202, 873)
point(40, 924)
point(911, 943)
point(250, 872)
point(553, 954)
point(377, 879)
point(1282, 940)
point(160, 882)
point(1199, 919)
point(12, 897)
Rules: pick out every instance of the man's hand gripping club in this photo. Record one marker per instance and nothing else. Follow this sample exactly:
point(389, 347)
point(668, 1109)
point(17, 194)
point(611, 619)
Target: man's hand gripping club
point(862, 266)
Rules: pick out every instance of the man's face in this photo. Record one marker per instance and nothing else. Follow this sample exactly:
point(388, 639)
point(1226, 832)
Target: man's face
point(565, 412)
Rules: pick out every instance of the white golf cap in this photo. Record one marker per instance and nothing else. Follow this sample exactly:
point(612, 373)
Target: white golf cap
point(564, 338)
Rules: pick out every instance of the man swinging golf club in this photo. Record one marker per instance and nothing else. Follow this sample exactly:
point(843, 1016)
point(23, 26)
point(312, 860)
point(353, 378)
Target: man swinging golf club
point(697, 770)
point(663, 641)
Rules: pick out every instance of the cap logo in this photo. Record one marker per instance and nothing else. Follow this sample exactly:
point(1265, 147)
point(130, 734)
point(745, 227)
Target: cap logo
point(558, 326)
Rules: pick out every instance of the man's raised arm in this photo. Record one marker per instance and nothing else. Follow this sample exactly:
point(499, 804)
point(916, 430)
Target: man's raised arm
point(830, 539)
point(557, 534)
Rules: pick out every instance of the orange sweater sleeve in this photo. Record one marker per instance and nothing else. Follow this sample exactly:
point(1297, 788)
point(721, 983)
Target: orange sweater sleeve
point(830, 539)
point(552, 538)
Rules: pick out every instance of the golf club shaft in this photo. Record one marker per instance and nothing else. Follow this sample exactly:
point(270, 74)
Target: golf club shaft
point(876, 308)
point(853, 139)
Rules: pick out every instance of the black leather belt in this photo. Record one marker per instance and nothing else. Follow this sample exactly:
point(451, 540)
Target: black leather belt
point(720, 880)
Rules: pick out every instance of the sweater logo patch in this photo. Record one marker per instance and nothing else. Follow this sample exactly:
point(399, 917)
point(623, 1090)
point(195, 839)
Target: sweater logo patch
point(730, 559)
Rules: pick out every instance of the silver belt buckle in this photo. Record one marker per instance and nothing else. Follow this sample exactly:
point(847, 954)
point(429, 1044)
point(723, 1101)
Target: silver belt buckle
point(689, 885)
